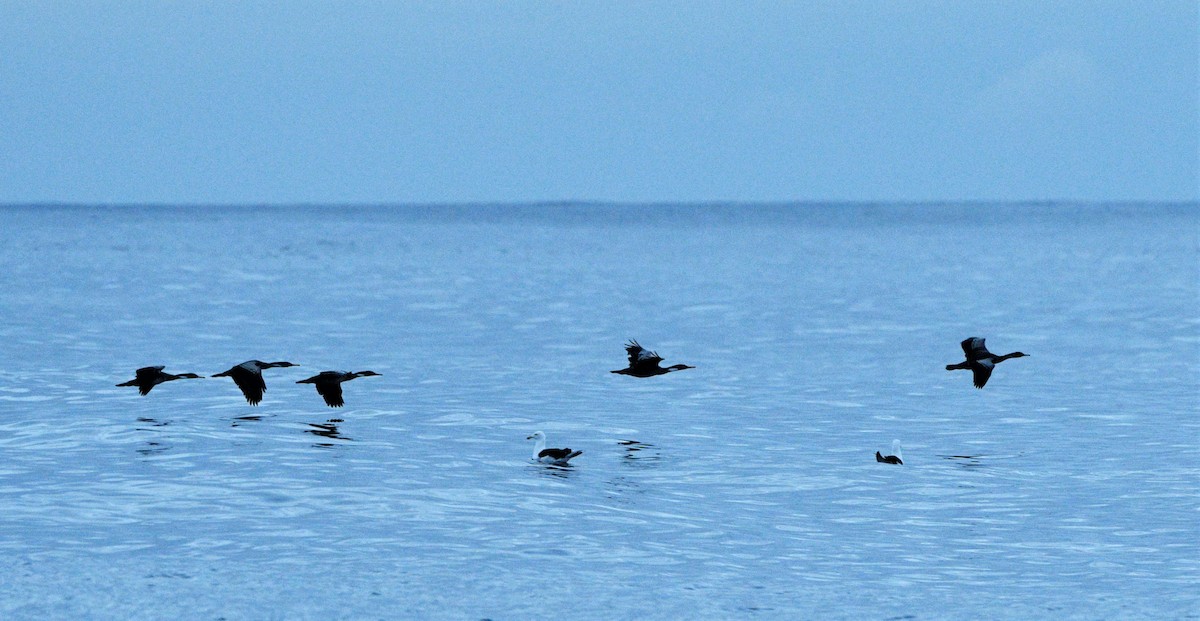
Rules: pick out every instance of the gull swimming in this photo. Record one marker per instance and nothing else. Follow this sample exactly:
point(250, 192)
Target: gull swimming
point(553, 456)
point(895, 458)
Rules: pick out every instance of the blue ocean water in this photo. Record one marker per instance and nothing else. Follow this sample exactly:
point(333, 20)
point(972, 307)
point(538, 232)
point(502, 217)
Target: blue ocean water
point(1068, 488)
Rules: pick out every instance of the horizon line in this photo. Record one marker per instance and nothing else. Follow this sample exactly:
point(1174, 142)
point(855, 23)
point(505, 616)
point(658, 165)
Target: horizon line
point(586, 203)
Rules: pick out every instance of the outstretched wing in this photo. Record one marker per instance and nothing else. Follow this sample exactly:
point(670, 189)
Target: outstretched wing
point(332, 391)
point(639, 356)
point(974, 349)
point(634, 350)
point(982, 370)
point(146, 378)
point(143, 384)
point(149, 373)
point(251, 383)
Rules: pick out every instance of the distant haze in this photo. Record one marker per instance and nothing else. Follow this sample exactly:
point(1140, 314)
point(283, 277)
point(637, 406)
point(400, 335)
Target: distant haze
point(378, 102)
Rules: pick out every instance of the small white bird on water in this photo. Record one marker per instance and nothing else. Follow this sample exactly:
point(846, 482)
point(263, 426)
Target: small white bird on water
point(554, 456)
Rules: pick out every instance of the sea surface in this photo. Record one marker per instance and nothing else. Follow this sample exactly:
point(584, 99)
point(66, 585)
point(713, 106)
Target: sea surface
point(747, 487)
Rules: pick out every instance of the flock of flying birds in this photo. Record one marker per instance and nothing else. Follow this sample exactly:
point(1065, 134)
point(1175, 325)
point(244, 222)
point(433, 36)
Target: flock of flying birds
point(248, 377)
point(642, 363)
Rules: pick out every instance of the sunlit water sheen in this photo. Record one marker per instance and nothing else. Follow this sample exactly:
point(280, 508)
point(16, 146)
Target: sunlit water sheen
point(747, 487)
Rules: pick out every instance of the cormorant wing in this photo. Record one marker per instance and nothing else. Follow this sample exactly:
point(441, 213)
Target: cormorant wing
point(251, 383)
point(640, 356)
point(332, 391)
point(146, 378)
point(634, 350)
point(982, 370)
point(974, 349)
point(149, 373)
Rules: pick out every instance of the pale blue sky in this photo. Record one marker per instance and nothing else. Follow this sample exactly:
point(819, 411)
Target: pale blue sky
point(352, 102)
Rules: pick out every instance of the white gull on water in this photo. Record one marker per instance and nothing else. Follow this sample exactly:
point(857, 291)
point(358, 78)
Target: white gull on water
point(555, 456)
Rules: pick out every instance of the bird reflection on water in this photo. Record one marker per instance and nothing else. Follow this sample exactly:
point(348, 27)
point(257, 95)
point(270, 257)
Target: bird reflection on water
point(152, 447)
point(639, 454)
point(634, 454)
point(563, 471)
point(328, 429)
point(966, 461)
point(238, 420)
point(623, 489)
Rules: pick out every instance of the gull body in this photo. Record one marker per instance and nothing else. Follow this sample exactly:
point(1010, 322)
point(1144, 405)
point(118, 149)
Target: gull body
point(895, 458)
point(553, 456)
